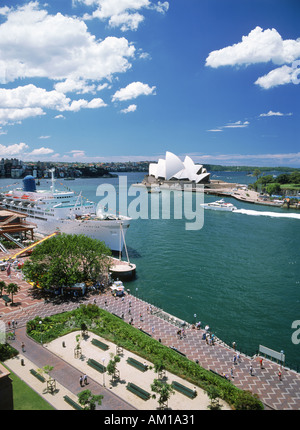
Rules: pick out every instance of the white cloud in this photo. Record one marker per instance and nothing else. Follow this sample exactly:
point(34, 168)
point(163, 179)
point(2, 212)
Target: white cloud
point(130, 108)
point(125, 14)
point(41, 151)
point(16, 115)
point(237, 124)
point(12, 150)
point(271, 113)
point(44, 137)
point(261, 46)
point(28, 101)
point(34, 43)
point(132, 91)
point(279, 76)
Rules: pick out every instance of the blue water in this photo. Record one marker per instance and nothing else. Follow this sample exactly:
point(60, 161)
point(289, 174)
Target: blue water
point(240, 274)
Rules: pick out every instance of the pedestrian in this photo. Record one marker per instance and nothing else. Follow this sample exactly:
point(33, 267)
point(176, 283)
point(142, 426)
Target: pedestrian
point(85, 379)
point(80, 380)
point(251, 370)
point(234, 359)
point(261, 363)
point(233, 345)
point(279, 375)
point(231, 373)
point(23, 347)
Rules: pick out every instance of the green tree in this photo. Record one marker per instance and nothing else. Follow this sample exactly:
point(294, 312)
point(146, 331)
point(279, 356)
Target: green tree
point(256, 173)
point(159, 367)
point(164, 392)
point(273, 188)
point(65, 260)
point(214, 394)
point(89, 400)
point(12, 289)
point(112, 366)
point(2, 287)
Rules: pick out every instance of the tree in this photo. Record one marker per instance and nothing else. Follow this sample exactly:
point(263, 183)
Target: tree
point(256, 173)
point(12, 289)
point(112, 366)
point(2, 287)
point(89, 400)
point(273, 188)
point(159, 367)
point(164, 391)
point(214, 394)
point(65, 260)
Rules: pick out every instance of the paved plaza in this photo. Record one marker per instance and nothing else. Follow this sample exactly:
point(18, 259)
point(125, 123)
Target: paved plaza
point(276, 394)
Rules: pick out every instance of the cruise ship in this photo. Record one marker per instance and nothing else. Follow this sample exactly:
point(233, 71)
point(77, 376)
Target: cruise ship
point(64, 211)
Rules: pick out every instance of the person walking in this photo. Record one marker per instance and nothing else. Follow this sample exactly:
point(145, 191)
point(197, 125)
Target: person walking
point(279, 375)
point(261, 363)
point(23, 347)
point(251, 370)
point(85, 380)
point(80, 380)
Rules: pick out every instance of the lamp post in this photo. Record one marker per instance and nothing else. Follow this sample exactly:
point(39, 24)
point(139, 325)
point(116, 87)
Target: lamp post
point(103, 360)
point(281, 358)
point(40, 323)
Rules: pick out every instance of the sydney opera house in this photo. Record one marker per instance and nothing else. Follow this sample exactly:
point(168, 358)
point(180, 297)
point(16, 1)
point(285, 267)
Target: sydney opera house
point(173, 169)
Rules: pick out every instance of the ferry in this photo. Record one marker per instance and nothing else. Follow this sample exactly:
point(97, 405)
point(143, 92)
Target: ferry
point(219, 205)
point(64, 211)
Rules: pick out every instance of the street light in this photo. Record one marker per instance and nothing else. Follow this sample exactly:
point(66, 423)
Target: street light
point(103, 360)
point(40, 323)
point(281, 357)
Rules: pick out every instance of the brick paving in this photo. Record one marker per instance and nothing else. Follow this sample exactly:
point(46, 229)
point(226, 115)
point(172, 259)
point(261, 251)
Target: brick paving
point(275, 394)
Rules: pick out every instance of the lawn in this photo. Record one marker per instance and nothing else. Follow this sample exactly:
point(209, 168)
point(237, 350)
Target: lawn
point(25, 398)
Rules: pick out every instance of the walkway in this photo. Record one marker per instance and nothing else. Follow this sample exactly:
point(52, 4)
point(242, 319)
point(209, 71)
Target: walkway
point(275, 394)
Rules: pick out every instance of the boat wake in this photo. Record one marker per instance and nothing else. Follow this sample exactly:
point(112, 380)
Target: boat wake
point(266, 213)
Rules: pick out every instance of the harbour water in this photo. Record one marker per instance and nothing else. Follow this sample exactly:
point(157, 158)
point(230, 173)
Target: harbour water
point(240, 273)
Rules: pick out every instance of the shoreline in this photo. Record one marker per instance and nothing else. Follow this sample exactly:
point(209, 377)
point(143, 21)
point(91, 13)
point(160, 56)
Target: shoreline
point(216, 188)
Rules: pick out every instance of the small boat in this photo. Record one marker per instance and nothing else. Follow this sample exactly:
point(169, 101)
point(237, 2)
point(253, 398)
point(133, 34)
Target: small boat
point(219, 205)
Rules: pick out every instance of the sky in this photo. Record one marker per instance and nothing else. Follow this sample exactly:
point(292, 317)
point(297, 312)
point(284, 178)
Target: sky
point(128, 80)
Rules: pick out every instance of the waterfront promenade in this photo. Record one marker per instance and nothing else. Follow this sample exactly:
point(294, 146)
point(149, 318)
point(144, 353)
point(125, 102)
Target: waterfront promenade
point(276, 394)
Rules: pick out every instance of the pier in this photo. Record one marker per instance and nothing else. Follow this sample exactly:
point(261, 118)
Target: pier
point(274, 393)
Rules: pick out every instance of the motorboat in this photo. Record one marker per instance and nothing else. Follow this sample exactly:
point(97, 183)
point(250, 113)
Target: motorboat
point(219, 205)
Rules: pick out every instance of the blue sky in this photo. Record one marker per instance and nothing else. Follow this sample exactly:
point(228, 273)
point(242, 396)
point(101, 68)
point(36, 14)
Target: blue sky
point(127, 80)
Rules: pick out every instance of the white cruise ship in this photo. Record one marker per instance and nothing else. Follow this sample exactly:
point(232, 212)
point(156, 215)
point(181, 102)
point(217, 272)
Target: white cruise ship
point(53, 210)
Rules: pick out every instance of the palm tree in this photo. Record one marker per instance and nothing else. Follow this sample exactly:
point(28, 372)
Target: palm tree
point(12, 289)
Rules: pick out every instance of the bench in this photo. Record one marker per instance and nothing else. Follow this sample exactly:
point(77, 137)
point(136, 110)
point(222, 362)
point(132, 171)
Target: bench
point(95, 365)
point(184, 390)
point(100, 344)
point(6, 299)
point(218, 374)
point(138, 391)
point(137, 364)
point(72, 403)
point(177, 350)
point(37, 375)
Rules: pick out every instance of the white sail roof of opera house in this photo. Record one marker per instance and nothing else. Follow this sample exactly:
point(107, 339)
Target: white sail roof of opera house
point(173, 168)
